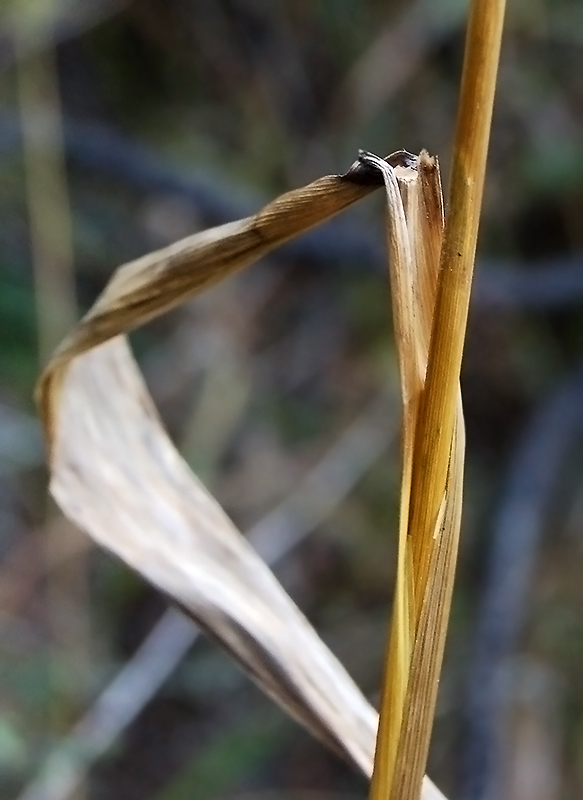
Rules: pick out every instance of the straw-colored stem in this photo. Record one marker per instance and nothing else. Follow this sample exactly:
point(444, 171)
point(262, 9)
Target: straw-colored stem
point(437, 464)
point(438, 402)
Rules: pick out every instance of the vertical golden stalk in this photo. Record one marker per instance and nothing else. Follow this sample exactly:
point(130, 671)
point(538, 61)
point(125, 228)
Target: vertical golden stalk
point(438, 403)
point(433, 447)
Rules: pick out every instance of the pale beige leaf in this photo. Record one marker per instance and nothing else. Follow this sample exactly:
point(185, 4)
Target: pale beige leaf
point(117, 475)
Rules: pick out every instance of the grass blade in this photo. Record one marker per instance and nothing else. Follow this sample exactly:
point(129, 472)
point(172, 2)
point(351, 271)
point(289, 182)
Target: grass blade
point(433, 448)
point(117, 475)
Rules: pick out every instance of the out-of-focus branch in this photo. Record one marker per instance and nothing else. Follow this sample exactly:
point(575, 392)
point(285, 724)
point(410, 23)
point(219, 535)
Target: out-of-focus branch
point(533, 478)
point(274, 536)
point(392, 58)
point(47, 24)
point(54, 287)
point(47, 199)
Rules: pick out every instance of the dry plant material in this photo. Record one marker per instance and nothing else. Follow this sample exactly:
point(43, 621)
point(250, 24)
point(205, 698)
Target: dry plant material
point(422, 595)
point(116, 474)
point(430, 323)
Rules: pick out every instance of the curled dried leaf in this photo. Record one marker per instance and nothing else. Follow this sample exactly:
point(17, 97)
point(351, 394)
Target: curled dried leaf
point(116, 474)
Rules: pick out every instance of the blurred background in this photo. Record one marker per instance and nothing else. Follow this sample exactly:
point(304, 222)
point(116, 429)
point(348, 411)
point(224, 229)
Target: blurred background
point(125, 125)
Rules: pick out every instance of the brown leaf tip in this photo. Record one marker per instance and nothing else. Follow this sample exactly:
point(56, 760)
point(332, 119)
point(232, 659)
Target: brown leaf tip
point(401, 158)
point(364, 172)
